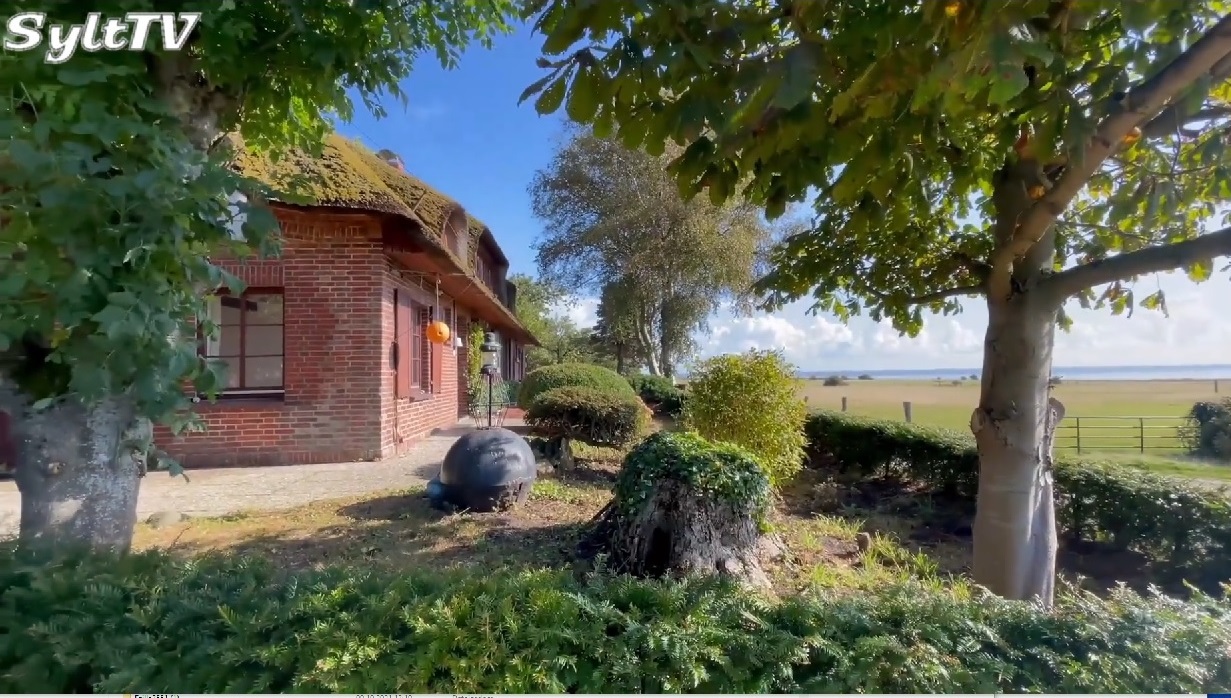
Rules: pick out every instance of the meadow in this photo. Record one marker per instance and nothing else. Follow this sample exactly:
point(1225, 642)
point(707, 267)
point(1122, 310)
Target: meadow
point(1135, 422)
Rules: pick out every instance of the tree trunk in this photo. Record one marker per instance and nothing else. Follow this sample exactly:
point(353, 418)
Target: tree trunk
point(1014, 529)
point(619, 357)
point(664, 348)
point(78, 469)
point(680, 531)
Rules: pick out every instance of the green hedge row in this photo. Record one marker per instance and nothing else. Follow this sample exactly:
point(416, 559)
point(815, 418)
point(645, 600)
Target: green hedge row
point(1186, 528)
point(147, 623)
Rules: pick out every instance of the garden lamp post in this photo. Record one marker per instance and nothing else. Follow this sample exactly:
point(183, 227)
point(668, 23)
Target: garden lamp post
point(491, 355)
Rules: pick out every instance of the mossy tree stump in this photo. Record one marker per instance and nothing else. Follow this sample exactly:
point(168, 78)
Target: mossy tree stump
point(685, 506)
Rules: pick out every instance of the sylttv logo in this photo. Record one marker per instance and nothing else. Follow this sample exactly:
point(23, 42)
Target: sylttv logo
point(28, 31)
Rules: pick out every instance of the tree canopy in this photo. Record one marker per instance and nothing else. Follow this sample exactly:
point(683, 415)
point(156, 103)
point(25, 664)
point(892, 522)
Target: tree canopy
point(1024, 151)
point(616, 225)
point(899, 116)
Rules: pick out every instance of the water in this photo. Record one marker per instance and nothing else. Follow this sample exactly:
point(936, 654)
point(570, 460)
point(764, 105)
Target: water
point(1073, 373)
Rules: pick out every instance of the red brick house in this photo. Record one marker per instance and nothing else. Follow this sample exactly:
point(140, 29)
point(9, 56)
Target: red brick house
point(326, 347)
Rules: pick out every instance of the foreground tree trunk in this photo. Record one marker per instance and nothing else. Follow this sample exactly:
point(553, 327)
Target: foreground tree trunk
point(1015, 529)
point(78, 469)
point(79, 466)
point(679, 531)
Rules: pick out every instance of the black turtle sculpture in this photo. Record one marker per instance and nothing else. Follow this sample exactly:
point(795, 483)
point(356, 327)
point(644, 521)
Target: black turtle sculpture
point(484, 470)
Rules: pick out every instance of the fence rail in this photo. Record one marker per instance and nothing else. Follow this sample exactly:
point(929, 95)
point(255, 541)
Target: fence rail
point(1141, 434)
point(1085, 434)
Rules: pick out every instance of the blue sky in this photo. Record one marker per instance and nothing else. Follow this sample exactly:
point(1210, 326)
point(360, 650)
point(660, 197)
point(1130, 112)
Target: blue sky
point(463, 132)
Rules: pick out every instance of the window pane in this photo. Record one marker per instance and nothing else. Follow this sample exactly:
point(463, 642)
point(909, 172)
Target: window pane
point(230, 311)
point(264, 309)
point(231, 372)
point(263, 340)
point(229, 336)
point(263, 372)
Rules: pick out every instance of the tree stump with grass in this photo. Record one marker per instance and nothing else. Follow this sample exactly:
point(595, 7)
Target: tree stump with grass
point(685, 506)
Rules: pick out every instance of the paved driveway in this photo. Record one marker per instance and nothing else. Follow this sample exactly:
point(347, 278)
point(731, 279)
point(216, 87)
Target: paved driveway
point(219, 491)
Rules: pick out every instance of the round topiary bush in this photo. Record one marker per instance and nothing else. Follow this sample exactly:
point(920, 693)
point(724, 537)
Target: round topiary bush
point(540, 380)
point(751, 400)
point(683, 505)
point(590, 415)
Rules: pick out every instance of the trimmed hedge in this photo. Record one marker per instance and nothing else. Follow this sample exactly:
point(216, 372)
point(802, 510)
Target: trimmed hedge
point(586, 414)
point(660, 393)
point(1186, 528)
point(149, 623)
point(540, 380)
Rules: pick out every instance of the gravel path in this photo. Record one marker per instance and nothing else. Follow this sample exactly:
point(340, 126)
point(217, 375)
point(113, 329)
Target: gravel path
point(219, 491)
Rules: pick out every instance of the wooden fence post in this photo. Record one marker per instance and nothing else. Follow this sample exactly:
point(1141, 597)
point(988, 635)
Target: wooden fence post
point(844, 404)
point(1215, 387)
point(1141, 426)
point(906, 410)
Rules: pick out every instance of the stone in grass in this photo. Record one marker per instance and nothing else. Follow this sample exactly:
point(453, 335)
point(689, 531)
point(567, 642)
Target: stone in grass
point(485, 470)
point(683, 505)
point(162, 519)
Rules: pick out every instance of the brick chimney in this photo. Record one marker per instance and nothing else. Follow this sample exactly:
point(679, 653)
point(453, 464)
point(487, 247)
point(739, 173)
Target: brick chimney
point(392, 158)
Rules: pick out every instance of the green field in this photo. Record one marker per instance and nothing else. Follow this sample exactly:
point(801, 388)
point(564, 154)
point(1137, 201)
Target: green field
point(1133, 422)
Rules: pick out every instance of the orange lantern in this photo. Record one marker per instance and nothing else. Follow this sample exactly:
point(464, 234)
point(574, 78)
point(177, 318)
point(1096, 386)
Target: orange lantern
point(438, 332)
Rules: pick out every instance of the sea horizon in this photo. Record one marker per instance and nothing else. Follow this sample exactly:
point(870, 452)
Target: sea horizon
point(1077, 373)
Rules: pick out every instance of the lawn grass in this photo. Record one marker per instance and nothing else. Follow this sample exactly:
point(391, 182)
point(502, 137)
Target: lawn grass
point(1109, 417)
point(841, 536)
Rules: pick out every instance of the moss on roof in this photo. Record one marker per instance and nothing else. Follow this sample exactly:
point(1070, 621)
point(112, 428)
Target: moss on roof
point(348, 175)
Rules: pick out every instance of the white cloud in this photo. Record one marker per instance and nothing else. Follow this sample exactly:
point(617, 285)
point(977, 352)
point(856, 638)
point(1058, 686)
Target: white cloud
point(1198, 331)
point(582, 311)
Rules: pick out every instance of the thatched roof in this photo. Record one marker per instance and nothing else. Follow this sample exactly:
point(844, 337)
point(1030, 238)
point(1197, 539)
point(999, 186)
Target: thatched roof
point(348, 175)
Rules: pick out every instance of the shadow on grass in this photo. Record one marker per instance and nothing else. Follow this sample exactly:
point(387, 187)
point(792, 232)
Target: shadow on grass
point(940, 527)
point(401, 530)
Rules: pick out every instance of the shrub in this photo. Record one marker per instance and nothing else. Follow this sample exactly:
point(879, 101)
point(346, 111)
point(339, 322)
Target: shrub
point(832, 381)
point(1207, 430)
point(589, 415)
point(476, 383)
point(725, 470)
point(750, 400)
point(107, 625)
point(540, 380)
point(865, 377)
point(1184, 528)
point(660, 393)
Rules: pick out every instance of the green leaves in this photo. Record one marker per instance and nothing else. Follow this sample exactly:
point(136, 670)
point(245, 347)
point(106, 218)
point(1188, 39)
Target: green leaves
point(899, 116)
point(110, 208)
point(550, 99)
point(751, 400)
point(369, 629)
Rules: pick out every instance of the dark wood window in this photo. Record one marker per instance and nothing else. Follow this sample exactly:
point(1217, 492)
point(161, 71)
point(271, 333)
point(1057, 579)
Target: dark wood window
point(417, 362)
point(409, 342)
point(249, 341)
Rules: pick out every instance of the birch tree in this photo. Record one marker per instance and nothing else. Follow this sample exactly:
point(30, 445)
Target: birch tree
point(615, 223)
point(114, 188)
point(1018, 154)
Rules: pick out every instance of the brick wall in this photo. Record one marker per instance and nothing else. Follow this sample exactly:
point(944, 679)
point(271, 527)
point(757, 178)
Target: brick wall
point(333, 273)
point(340, 401)
point(405, 420)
